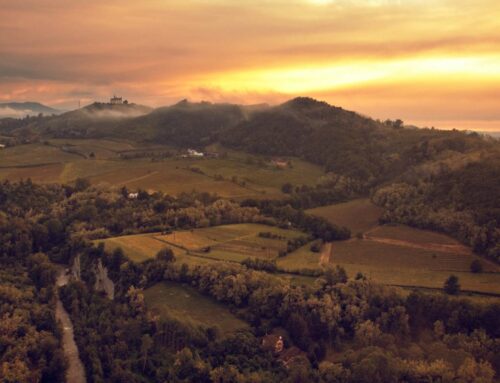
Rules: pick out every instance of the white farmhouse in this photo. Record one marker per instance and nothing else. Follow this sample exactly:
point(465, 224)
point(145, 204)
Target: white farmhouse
point(194, 153)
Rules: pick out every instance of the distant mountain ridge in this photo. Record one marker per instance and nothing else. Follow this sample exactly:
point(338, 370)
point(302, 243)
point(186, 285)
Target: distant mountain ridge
point(22, 109)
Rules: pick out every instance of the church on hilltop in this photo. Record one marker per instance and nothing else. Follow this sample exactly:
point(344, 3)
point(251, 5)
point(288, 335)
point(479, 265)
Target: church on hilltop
point(117, 100)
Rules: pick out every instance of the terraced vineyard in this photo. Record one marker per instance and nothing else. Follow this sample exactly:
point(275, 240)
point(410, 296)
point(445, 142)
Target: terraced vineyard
point(396, 254)
point(226, 243)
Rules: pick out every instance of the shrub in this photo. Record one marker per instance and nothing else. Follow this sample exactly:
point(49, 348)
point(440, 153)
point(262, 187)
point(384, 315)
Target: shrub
point(451, 285)
point(476, 266)
point(316, 247)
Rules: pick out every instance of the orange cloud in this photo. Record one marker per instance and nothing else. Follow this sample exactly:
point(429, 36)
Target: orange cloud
point(418, 60)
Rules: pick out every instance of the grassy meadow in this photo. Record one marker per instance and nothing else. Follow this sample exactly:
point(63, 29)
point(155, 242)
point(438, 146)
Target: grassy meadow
point(302, 258)
point(184, 303)
point(358, 215)
point(237, 175)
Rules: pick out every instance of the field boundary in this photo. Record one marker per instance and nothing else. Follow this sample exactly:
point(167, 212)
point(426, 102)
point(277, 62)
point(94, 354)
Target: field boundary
point(32, 165)
point(452, 249)
point(473, 292)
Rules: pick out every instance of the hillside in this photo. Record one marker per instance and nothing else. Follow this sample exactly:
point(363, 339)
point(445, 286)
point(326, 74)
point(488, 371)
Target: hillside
point(183, 124)
point(343, 141)
point(94, 120)
point(422, 176)
point(22, 109)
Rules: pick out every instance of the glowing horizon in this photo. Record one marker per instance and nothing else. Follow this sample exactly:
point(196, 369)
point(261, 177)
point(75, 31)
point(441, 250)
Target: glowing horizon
point(433, 63)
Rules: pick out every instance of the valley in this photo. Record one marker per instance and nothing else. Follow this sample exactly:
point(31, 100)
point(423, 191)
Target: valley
point(200, 228)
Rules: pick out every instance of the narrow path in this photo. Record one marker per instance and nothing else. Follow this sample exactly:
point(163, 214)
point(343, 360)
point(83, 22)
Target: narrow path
point(140, 178)
point(76, 371)
point(453, 249)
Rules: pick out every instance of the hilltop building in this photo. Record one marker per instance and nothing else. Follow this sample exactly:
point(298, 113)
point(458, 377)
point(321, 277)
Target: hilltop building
point(116, 100)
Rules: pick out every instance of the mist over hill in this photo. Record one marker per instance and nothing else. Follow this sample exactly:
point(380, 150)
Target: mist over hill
point(23, 109)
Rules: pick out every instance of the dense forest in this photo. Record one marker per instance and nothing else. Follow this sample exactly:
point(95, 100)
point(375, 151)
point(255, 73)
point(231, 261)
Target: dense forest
point(463, 203)
point(369, 332)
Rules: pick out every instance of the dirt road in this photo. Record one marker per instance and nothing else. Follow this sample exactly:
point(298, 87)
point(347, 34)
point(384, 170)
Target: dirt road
point(76, 371)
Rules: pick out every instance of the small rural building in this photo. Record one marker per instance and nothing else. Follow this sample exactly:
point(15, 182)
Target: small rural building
point(288, 355)
point(194, 153)
point(279, 163)
point(273, 342)
point(133, 195)
point(2, 146)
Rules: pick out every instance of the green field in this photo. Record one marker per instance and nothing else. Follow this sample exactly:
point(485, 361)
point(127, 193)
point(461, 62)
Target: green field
point(395, 254)
point(236, 176)
point(227, 243)
point(370, 253)
point(358, 215)
point(33, 154)
point(101, 148)
point(138, 248)
point(405, 233)
point(302, 258)
point(184, 303)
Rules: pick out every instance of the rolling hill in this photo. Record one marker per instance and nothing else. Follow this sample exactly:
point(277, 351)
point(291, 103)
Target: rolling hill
point(22, 109)
point(423, 177)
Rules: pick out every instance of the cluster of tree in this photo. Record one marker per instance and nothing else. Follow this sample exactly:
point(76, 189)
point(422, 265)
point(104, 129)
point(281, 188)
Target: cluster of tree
point(261, 264)
point(270, 235)
point(154, 155)
point(30, 338)
point(463, 203)
point(196, 169)
point(42, 218)
point(293, 244)
point(86, 212)
point(286, 216)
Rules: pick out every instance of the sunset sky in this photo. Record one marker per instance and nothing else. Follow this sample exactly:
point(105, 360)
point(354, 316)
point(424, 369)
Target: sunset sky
point(427, 62)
